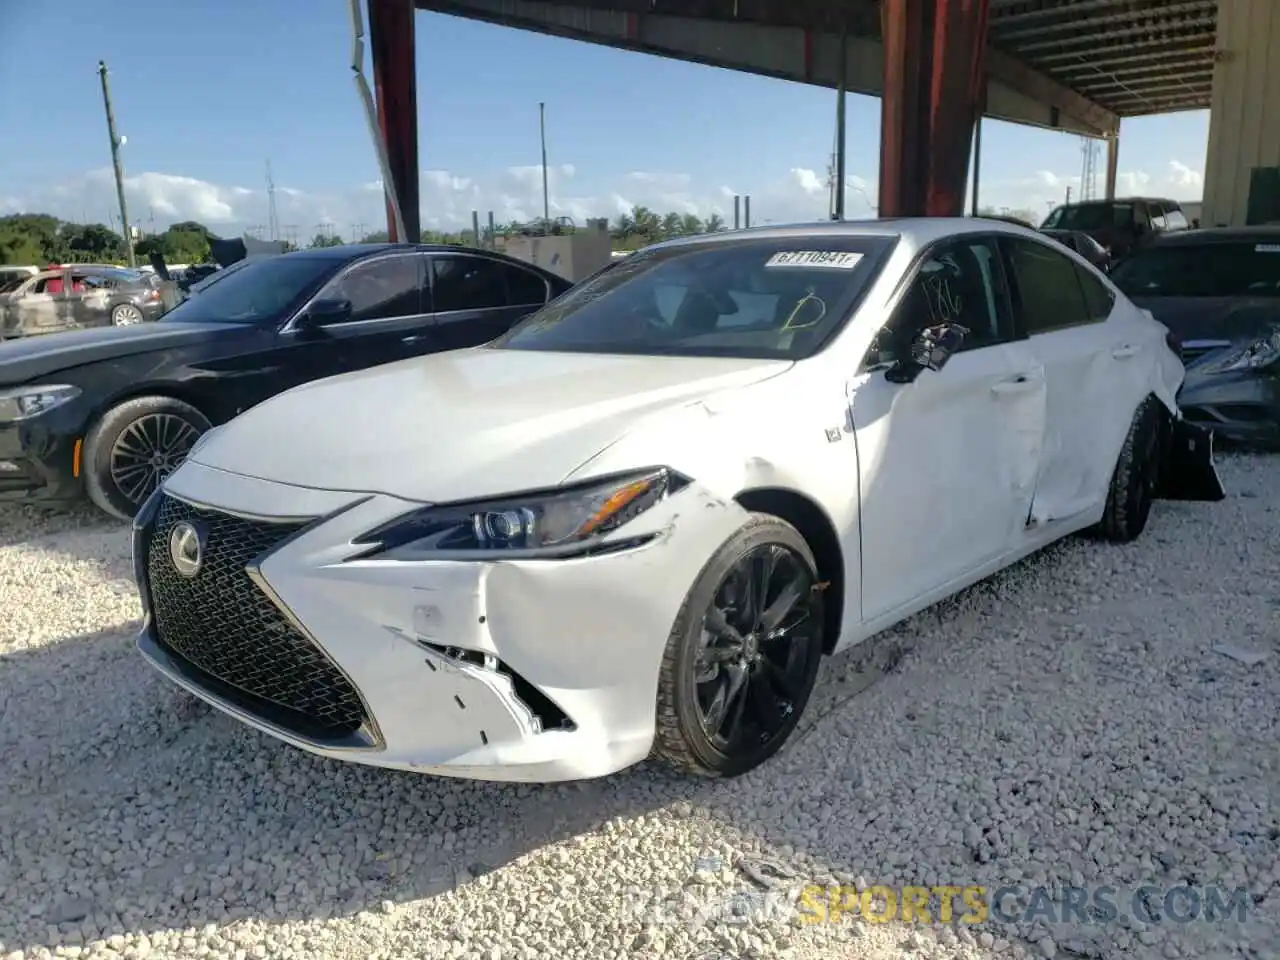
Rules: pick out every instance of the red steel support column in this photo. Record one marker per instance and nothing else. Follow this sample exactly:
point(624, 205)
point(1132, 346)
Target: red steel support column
point(934, 53)
point(395, 86)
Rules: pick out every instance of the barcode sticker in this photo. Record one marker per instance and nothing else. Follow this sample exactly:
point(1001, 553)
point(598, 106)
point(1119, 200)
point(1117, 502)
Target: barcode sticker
point(829, 259)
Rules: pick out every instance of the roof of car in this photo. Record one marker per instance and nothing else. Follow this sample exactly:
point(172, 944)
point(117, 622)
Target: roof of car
point(1260, 234)
point(919, 229)
point(350, 251)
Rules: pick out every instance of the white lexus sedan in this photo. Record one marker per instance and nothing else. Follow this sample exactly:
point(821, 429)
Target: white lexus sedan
point(636, 524)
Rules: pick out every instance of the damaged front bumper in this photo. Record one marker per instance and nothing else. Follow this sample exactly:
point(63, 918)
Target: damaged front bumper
point(536, 670)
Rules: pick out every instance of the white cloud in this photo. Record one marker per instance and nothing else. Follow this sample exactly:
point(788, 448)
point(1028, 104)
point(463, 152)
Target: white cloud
point(515, 193)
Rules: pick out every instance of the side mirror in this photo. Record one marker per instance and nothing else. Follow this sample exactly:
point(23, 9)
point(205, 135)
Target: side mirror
point(321, 313)
point(931, 349)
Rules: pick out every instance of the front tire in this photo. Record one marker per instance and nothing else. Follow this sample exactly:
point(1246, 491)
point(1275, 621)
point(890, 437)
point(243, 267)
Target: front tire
point(1136, 476)
point(135, 445)
point(743, 656)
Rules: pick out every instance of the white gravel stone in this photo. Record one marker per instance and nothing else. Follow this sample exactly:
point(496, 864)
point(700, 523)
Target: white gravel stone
point(1065, 724)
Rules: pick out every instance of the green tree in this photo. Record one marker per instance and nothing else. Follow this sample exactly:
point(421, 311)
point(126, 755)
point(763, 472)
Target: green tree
point(31, 239)
point(91, 243)
point(715, 224)
point(321, 240)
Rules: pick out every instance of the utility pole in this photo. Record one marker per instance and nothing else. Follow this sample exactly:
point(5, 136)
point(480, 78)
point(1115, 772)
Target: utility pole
point(840, 121)
point(273, 220)
point(546, 197)
point(115, 161)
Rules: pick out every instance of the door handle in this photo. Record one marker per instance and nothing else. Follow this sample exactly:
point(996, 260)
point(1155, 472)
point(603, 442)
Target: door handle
point(1124, 352)
point(413, 338)
point(1020, 384)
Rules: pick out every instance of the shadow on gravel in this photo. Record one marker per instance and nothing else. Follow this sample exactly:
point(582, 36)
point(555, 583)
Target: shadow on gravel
point(127, 806)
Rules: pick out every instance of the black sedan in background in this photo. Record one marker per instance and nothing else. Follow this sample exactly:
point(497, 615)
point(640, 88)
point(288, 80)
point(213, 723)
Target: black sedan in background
point(109, 413)
point(1218, 292)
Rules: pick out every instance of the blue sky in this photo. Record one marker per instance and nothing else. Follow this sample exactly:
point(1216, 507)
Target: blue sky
point(207, 95)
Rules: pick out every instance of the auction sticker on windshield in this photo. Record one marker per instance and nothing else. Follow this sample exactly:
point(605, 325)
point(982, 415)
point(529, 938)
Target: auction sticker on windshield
point(830, 259)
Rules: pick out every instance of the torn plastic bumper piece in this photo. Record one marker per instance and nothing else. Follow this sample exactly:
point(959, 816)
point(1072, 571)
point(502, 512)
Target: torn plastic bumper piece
point(1189, 471)
point(544, 712)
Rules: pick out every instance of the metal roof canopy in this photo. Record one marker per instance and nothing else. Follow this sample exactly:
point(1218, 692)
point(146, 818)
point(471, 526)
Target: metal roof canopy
point(1091, 62)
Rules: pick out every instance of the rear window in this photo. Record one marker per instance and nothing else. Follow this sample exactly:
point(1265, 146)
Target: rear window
point(1090, 216)
point(1202, 270)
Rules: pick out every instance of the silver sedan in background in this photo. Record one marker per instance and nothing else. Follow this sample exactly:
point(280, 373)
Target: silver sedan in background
point(67, 298)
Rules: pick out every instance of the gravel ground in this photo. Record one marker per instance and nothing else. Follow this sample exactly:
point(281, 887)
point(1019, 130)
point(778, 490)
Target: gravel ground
point(1064, 724)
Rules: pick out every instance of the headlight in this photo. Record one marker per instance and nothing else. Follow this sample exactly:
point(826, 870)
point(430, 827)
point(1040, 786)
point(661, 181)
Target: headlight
point(553, 523)
point(1260, 353)
point(22, 403)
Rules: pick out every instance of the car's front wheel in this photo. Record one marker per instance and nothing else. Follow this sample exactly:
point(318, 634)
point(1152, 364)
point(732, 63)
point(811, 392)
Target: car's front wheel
point(135, 445)
point(743, 656)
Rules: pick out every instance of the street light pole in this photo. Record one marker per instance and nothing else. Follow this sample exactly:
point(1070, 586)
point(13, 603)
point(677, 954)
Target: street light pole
point(115, 161)
point(546, 201)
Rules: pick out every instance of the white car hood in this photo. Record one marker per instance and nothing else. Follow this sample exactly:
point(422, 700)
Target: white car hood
point(464, 424)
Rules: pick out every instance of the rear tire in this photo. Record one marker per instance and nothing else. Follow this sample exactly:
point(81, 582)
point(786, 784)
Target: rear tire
point(775, 667)
point(133, 447)
point(1137, 475)
point(126, 315)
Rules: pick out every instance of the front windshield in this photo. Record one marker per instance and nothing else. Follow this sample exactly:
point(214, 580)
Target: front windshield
point(1243, 269)
point(1090, 216)
point(260, 292)
point(778, 298)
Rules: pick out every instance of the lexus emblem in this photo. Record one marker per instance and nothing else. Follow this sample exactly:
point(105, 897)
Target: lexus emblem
point(186, 549)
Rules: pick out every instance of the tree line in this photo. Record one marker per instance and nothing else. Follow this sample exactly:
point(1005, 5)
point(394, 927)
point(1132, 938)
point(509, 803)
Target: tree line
point(40, 238)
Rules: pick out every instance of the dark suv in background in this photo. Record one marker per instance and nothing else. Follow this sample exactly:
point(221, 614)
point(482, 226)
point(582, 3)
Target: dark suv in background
point(1120, 226)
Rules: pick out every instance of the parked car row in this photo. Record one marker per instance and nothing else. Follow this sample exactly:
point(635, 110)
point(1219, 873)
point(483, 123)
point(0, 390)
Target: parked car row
point(632, 522)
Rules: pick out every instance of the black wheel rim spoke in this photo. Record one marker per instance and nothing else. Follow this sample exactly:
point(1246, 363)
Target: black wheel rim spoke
point(768, 710)
point(756, 655)
point(147, 451)
point(728, 700)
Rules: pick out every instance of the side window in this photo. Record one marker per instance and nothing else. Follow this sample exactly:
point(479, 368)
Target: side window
point(1175, 220)
point(1098, 300)
point(958, 282)
point(1050, 296)
point(525, 289)
point(468, 283)
point(381, 289)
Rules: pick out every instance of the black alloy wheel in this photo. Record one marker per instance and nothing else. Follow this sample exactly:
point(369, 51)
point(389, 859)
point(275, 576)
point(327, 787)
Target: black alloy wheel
point(742, 669)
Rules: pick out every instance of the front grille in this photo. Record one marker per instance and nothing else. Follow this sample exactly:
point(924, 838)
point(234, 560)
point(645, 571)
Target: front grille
point(232, 639)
